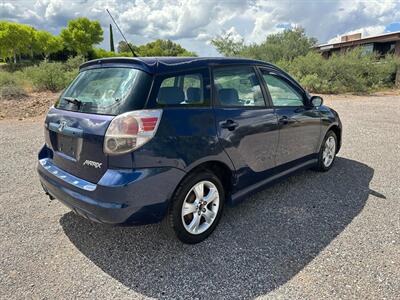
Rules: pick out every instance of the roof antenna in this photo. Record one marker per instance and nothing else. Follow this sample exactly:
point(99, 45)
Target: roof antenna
point(133, 52)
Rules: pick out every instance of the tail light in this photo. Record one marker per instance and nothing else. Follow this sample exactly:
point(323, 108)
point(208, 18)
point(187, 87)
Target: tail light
point(131, 130)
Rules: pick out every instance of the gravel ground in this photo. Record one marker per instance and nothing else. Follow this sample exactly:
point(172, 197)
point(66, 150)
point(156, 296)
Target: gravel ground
point(331, 235)
point(29, 106)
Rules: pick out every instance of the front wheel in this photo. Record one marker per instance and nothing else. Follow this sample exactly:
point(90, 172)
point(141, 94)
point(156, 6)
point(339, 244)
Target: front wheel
point(196, 207)
point(327, 153)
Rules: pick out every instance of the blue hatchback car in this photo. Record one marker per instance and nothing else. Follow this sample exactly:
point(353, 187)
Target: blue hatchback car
point(140, 140)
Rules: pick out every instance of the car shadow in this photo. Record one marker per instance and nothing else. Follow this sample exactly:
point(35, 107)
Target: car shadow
point(258, 246)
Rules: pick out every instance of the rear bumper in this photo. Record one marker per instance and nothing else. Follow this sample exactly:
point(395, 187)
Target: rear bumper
point(121, 196)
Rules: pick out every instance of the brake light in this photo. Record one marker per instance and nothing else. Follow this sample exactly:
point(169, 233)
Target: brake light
point(149, 123)
point(131, 130)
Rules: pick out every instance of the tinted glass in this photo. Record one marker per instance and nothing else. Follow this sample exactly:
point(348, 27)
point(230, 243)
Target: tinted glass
point(185, 89)
point(238, 86)
point(281, 92)
point(100, 91)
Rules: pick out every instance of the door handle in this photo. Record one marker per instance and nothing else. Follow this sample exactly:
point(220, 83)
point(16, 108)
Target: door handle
point(229, 124)
point(284, 120)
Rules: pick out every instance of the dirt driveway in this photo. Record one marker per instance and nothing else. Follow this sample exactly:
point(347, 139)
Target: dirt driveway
point(331, 235)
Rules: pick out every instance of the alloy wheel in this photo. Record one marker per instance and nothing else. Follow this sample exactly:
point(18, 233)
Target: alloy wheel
point(200, 207)
point(329, 151)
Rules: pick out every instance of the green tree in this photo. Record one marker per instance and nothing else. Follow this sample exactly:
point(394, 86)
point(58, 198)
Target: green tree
point(226, 45)
point(111, 40)
point(285, 45)
point(124, 48)
point(81, 34)
point(15, 39)
point(156, 48)
point(45, 43)
point(163, 48)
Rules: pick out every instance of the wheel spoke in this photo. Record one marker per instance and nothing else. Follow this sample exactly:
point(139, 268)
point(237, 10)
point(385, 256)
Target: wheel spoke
point(211, 196)
point(331, 143)
point(194, 225)
point(199, 190)
point(188, 208)
point(209, 215)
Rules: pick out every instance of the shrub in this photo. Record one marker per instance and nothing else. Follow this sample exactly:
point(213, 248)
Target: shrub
point(49, 76)
point(73, 63)
point(11, 92)
point(11, 86)
point(352, 71)
point(11, 67)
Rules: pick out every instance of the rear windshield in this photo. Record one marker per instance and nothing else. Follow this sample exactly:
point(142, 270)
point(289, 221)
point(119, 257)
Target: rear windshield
point(105, 91)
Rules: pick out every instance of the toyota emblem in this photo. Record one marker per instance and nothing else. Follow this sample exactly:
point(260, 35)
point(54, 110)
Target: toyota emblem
point(62, 126)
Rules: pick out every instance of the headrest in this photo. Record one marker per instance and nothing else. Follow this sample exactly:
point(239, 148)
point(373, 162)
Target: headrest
point(170, 95)
point(193, 94)
point(228, 97)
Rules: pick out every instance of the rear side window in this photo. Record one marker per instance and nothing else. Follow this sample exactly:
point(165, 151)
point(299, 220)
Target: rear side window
point(238, 86)
point(185, 90)
point(104, 90)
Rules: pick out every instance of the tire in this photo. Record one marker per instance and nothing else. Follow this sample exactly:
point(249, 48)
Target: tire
point(200, 217)
point(327, 153)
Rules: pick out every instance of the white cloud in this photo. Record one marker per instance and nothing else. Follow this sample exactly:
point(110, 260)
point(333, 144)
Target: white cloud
point(194, 22)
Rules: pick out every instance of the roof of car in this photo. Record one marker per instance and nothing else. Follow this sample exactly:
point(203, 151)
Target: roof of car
point(157, 65)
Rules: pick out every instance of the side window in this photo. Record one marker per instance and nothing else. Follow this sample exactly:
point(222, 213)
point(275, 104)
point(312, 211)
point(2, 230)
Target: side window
point(237, 86)
point(182, 90)
point(281, 92)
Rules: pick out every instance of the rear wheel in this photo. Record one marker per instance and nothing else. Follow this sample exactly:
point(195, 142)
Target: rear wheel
point(327, 153)
point(196, 207)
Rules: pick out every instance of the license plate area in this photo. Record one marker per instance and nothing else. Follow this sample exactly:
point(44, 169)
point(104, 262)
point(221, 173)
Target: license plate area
point(67, 145)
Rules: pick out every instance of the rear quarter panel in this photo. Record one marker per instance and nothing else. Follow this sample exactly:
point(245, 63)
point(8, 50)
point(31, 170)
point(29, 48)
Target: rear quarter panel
point(186, 137)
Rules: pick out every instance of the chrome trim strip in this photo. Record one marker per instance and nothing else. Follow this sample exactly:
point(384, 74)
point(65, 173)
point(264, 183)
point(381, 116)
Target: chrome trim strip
point(68, 178)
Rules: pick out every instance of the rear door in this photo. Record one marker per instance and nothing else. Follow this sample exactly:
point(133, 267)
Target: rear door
point(299, 123)
point(247, 127)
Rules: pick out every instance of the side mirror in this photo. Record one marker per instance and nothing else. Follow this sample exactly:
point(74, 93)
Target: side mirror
point(316, 101)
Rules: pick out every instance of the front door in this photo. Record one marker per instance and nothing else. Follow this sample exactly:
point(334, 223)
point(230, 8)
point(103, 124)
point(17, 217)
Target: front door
point(299, 123)
point(247, 127)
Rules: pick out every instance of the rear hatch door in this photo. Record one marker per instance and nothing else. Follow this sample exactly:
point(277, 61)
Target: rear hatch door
point(77, 124)
point(77, 142)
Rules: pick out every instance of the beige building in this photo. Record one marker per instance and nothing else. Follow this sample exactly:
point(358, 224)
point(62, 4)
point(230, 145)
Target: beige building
point(382, 44)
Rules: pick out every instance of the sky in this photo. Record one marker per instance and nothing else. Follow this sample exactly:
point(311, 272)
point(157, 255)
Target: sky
point(193, 23)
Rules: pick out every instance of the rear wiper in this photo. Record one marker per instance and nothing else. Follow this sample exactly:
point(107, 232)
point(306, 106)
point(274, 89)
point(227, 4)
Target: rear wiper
point(75, 101)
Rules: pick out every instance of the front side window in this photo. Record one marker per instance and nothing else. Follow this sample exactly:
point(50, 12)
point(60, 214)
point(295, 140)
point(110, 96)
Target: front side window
point(101, 90)
point(237, 86)
point(282, 94)
point(187, 89)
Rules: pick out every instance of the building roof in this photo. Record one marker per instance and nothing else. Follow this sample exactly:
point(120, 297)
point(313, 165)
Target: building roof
point(158, 65)
point(387, 37)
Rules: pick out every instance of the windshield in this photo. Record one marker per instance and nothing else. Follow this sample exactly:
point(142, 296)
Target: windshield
point(100, 90)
